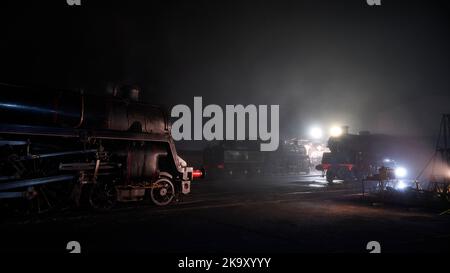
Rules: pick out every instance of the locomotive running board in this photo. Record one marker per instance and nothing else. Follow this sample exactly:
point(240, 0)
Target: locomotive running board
point(80, 133)
point(87, 133)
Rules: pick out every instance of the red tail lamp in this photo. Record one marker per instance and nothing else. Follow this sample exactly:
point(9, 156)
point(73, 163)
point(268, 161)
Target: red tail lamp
point(198, 174)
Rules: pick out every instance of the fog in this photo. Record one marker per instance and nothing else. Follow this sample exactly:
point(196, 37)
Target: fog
point(383, 69)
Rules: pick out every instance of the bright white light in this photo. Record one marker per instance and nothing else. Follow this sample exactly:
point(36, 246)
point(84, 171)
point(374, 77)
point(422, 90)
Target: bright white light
point(387, 160)
point(335, 131)
point(316, 133)
point(400, 172)
point(401, 185)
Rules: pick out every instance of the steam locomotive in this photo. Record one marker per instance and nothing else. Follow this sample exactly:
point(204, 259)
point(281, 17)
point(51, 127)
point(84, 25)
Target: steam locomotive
point(356, 156)
point(244, 159)
point(59, 145)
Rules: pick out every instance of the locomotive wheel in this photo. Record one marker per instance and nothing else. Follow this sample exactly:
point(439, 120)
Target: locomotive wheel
point(330, 177)
point(38, 201)
point(103, 196)
point(48, 197)
point(162, 192)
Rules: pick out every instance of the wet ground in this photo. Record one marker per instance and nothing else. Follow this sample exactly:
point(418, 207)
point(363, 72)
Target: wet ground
point(289, 214)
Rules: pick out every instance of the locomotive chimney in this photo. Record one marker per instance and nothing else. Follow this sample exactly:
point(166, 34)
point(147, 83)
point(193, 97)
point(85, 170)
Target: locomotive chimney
point(345, 130)
point(128, 92)
point(132, 93)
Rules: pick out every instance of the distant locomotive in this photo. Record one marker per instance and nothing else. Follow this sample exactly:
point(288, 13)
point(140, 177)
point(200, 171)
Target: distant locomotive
point(356, 156)
point(57, 145)
point(290, 158)
point(233, 159)
point(244, 159)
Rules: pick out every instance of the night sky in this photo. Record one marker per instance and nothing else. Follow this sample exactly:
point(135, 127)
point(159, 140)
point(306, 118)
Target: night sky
point(383, 69)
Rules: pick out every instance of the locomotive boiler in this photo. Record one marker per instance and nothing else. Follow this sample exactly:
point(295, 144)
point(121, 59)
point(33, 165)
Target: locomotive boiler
point(75, 146)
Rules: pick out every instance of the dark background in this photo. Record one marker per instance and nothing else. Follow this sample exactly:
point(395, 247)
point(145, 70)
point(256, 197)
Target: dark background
point(383, 69)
